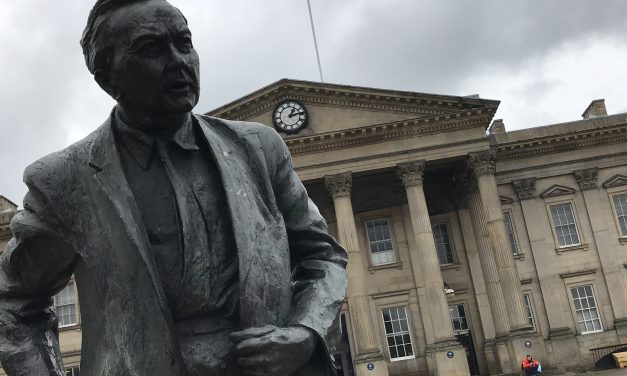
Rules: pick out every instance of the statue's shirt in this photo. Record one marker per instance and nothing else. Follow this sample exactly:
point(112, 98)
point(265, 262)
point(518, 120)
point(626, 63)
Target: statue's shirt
point(179, 193)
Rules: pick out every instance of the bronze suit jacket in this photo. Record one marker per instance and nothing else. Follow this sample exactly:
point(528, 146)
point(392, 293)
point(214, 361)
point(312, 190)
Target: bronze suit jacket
point(80, 217)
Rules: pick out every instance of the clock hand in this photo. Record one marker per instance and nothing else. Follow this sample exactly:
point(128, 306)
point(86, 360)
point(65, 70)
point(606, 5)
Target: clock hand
point(292, 114)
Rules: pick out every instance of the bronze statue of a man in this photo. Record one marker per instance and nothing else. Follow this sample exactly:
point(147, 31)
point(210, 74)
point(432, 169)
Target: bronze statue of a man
point(194, 245)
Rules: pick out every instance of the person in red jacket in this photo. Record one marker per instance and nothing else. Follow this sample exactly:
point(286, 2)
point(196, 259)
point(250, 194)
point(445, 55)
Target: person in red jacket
point(530, 366)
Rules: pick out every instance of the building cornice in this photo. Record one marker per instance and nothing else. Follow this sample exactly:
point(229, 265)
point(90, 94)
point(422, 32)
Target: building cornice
point(397, 156)
point(346, 96)
point(599, 136)
point(389, 131)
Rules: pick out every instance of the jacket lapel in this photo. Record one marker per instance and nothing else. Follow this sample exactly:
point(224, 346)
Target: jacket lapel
point(231, 155)
point(109, 175)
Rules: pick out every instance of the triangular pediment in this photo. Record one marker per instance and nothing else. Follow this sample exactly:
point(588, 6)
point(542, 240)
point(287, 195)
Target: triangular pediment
point(615, 181)
point(505, 200)
point(333, 108)
point(557, 190)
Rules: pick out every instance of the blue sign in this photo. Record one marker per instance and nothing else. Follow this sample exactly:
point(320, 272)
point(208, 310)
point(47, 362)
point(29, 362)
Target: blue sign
point(450, 354)
point(370, 366)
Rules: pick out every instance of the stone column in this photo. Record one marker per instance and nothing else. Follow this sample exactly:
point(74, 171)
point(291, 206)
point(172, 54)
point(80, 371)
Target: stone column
point(484, 166)
point(364, 331)
point(491, 277)
point(488, 264)
point(425, 262)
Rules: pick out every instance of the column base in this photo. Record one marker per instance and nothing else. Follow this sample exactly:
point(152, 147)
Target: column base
point(497, 357)
point(565, 349)
point(372, 364)
point(620, 324)
point(503, 356)
point(447, 359)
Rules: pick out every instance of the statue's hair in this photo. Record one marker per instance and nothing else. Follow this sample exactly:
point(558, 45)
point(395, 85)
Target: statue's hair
point(96, 50)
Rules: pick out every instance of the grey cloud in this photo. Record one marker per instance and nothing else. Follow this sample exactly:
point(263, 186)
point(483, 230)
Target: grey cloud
point(429, 45)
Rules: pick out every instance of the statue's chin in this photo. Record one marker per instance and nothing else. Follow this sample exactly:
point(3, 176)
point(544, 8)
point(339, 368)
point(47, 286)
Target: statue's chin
point(180, 105)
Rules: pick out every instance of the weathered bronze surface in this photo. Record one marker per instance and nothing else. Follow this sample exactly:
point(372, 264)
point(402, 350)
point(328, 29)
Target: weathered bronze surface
point(194, 245)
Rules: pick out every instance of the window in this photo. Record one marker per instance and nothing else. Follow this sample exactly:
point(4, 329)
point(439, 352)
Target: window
point(509, 227)
point(586, 309)
point(620, 204)
point(64, 303)
point(397, 333)
point(458, 318)
point(564, 222)
point(442, 244)
point(380, 241)
point(73, 371)
point(529, 309)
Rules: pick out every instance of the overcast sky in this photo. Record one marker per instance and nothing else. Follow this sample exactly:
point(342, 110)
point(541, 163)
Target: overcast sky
point(545, 60)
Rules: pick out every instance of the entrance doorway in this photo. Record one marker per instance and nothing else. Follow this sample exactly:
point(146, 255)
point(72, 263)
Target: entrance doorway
point(464, 336)
point(343, 356)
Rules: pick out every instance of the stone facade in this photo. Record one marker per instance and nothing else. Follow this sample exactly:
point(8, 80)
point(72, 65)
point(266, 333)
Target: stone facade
point(7, 210)
point(469, 246)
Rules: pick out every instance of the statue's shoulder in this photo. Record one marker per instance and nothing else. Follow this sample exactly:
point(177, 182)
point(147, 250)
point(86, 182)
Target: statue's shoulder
point(62, 163)
point(243, 128)
point(236, 125)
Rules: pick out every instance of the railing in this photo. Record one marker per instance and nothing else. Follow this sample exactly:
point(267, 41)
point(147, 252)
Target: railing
point(603, 355)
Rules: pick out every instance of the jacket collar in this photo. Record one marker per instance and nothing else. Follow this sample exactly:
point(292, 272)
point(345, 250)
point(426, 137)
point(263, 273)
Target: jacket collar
point(141, 144)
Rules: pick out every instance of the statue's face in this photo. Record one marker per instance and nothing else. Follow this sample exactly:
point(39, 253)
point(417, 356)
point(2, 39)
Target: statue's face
point(154, 65)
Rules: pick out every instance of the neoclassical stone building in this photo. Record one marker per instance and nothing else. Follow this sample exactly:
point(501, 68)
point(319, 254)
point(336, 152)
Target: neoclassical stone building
point(469, 246)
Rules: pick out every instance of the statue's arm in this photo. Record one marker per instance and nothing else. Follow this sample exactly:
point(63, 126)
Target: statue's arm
point(318, 261)
point(35, 265)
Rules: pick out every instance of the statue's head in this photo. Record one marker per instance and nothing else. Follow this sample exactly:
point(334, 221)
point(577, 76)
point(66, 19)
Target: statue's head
point(140, 52)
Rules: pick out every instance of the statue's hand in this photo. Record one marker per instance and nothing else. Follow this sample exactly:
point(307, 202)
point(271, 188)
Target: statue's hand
point(270, 350)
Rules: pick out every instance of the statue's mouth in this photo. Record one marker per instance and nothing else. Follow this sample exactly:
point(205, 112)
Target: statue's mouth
point(180, 86)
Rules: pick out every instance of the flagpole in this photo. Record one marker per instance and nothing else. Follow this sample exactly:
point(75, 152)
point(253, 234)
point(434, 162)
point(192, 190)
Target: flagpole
point(313, 32)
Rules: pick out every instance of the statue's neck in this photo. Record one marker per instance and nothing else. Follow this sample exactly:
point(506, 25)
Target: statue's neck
point(153, 123)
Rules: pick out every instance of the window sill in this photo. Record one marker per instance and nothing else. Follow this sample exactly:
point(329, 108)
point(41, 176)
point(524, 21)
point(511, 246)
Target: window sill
point(579, 247)
point(456, 266)
point(593, 332)
point(403, 358)
point(393, 265)
point(623, 240)
point(519, 256)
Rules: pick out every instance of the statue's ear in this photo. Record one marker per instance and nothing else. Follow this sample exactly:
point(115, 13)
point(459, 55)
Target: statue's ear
point(104, 80)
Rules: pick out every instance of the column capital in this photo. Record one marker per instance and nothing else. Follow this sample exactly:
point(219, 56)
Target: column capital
point(411, 173)
point(465, 185)
point(587, 178)
point(482, 162)
point(524, 188)
point(339, 185)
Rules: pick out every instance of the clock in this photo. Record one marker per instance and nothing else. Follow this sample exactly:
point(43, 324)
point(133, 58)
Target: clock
point(290, 117)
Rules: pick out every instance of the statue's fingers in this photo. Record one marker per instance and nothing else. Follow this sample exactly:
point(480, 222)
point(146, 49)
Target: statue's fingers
point(251, 333)
point(251, 346)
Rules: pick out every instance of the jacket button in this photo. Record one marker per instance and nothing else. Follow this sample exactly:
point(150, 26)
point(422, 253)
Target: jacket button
point(170, 356)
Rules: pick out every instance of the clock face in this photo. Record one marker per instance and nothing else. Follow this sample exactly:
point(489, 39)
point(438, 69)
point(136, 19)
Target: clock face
point(290, 117)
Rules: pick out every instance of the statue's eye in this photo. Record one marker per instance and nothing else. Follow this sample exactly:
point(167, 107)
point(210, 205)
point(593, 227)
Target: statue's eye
point(150, 48)
point(184, 44)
